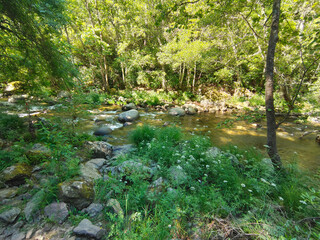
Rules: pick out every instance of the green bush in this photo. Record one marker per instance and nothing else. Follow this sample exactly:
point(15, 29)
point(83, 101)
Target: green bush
point(215, 184)
point(11, 126)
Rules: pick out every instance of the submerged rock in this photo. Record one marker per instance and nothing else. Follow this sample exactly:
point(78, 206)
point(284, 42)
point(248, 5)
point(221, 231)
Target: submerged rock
point(102, 131)
point(128, 116)
point(129, 106)
point(16, 174)
point(190, 110)
point(177, 112)
point(78, 193)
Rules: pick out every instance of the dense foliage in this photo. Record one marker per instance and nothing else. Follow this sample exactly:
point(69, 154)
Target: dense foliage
point(155, 44)
point(193, 186)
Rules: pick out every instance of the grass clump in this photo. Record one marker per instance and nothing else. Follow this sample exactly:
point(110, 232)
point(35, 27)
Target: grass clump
point(11, 126)
point(174, 187)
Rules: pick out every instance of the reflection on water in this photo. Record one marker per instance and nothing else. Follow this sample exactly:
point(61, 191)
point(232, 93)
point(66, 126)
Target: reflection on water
point(304, 150)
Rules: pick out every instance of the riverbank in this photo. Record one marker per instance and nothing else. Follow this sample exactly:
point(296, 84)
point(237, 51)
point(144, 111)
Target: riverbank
point(164, 185)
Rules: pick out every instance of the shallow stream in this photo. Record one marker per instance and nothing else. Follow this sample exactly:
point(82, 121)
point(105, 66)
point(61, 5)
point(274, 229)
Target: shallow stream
point(292, 148)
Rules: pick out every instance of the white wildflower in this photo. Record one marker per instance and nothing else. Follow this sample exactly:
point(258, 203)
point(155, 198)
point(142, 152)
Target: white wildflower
point(243, 185)
point(192, 188)
point(263, 180)
point(207, 166)
point(169, 226)
point(249, 190)
point(206, 175)
point(225, 181)
point(303, 202)
point(281, 199)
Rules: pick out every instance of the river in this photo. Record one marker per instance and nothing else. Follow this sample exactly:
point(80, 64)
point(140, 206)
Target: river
point(292, 148)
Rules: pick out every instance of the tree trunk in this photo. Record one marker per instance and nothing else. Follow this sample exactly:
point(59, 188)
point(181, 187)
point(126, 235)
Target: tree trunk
point(270, 112)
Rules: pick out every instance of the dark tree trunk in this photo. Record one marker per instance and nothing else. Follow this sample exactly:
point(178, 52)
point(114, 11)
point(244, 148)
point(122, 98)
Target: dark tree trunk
point(270, 113)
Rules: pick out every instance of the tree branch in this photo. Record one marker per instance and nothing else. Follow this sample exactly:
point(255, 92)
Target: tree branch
point(306, 69)
point(246, 20)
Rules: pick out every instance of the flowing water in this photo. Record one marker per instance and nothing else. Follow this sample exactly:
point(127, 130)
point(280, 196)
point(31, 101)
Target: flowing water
point(305, 151)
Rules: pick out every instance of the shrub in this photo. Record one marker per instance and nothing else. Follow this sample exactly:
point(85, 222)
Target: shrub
point(11, 126)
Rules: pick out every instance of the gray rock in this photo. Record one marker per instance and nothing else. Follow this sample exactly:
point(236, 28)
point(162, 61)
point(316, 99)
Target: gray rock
point(78, 193)
point(122, 150)
point(102, 131)
point(129, 106)
point(128, 116)
point(29, 233)
point(267, 165)
point(33, 206)
point(94, 209)
point(130, 167)
point(157, 186)
point(58, 212)
point(89, 172)
point(17, 98)
point(63, 94)
point(176, 112)
point(87, 229)
point(18, 236)
point(99, 149)
point(115, 205)
point(213, 152)
point(177, 175)
point(190, 110)
point(8, 193)
point(97, 163)
point(11, 215)
point(16, 174)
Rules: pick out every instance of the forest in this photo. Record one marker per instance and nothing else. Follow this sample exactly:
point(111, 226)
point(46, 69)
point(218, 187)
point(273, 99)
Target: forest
point(118, 119)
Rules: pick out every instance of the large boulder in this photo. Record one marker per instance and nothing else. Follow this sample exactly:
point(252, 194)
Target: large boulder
point(128, 116)
point(177, 112)
point(129, 106)
point(87, 229)
point(99, 149)
point(16, 174)
point(102, 131)
point(79, 193)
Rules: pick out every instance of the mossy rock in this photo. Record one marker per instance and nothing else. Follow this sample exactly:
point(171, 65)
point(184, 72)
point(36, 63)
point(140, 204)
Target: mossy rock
point(79, 193)
point(38, 153)
point(16, 174)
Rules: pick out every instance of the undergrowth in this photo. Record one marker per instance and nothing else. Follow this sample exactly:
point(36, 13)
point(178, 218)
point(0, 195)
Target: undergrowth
point(177, 187)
